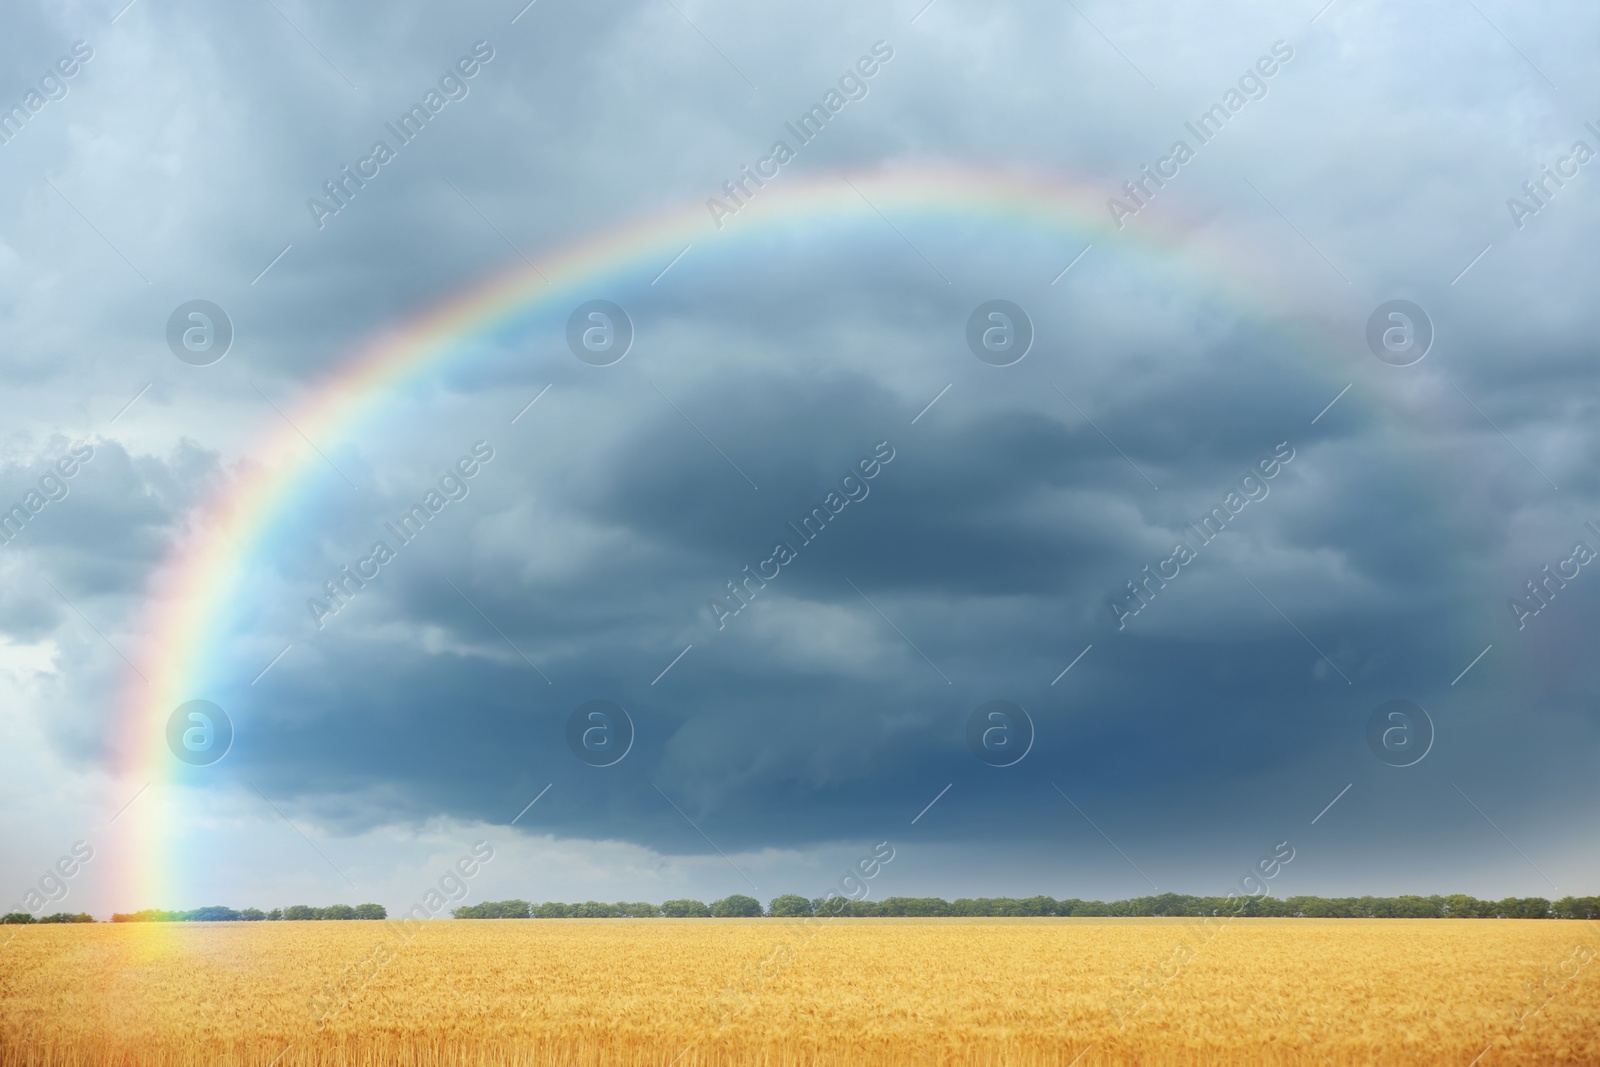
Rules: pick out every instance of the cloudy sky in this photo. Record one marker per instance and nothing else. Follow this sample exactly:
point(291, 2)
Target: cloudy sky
point(1427, 459)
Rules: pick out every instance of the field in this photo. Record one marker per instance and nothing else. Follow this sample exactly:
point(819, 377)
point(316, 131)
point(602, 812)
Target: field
point(776, 992)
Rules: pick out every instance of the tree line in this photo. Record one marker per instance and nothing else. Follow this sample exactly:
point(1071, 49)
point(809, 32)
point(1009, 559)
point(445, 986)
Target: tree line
point(218, 914)
point(1456, 906)
point(790, 905)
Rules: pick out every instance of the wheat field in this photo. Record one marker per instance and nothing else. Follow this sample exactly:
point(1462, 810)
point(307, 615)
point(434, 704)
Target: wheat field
point(864, 992)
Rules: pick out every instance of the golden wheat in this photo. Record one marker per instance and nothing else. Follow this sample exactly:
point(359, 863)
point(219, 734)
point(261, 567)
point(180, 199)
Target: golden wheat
point(864, 992)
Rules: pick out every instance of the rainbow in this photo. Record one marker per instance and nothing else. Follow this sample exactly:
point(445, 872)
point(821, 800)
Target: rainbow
point(194, 603)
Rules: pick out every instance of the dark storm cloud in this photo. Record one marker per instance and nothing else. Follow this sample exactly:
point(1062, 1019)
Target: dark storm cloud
point(995, 540)
point(96, 516)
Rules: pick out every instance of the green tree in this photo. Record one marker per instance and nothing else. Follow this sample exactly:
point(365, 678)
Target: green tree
point(1169, 904)
point(149, 915)
point(789, 906)
point(685, 909)
point(1576, 908)
point(1412, 907)
point(1007, 906)
point(1524, 908)
point(1038, 906)
point(926, 906)
point(16, 918)
point(592, 909)
point(737, 906)
point(551, 909)
point(636, 909)
point(831, 906)
point(1313, 907)
point(371, 911)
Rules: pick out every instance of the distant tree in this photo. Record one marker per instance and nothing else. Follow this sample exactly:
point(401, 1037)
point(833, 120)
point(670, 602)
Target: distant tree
point(592, 909)
point(1313, 907)
point(845, 908)
point(16, 918)
point(1412, 907)
point(789, 906)
point(1038, 906)
point(988, 906)
point(913, 906)
point(636, 909)
point(1576, 908)
point(926, 906)
point(1455, 906)
point(1167, 904)
point(829, 906)
point(489, 909)
point(685, 909)
point(1345, 908)
point(1524, 908)
point(737, 906)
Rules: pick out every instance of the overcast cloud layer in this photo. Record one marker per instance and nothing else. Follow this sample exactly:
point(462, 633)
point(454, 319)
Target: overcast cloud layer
point(1212, 329)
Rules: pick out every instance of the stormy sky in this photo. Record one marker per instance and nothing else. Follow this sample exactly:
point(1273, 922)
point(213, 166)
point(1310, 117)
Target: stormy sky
point(1350, 327)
